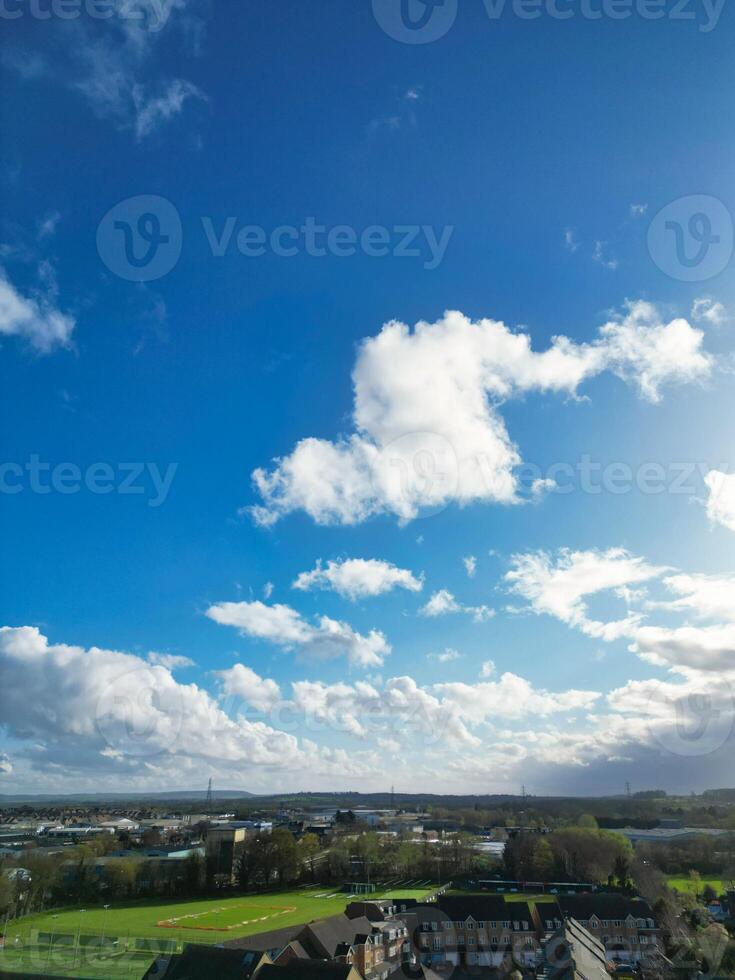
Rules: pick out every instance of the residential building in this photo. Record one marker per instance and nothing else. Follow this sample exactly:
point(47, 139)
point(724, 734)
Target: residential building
point(208, 962)
point(476, 930)
point(307, 969)
point(625, 926)
point(573, 953)
point(375, 948)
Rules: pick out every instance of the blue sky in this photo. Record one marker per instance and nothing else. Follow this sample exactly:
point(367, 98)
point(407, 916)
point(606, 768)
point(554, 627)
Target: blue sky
point(529, 162)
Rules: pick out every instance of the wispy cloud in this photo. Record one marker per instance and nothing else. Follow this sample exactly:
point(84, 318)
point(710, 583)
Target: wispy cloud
point(601, 255)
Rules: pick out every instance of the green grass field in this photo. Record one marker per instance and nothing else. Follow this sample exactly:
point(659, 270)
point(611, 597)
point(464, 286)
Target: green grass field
point(687, 886)
point(69, 942)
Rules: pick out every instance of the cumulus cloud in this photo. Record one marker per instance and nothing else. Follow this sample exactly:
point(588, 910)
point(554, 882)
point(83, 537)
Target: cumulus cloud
point(487, 669)
point(358, 578)
point(439, 714)
point(721, 498)
point(285, 627)
point(443, 602)
point(511, 696)
point(98, 709)
point(427, 424)
point(6, 766)
point(558, 586)
point(470, 565)
point(34, 318)
point(242, 682)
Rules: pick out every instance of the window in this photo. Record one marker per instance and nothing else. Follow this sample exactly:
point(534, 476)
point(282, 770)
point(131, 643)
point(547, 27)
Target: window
point(516, 924)
point(549, 923)
point(437, 942)
point(617, 923)
point(425, 926)
point(435, 926)
point(643, 940)
point(506, 925)
point(470, 925)
point(525, 926)
point(605, 940)
point(480, 925)
point(470, 940)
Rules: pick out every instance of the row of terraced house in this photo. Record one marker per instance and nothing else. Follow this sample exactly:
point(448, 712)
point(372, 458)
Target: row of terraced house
point(478, 930)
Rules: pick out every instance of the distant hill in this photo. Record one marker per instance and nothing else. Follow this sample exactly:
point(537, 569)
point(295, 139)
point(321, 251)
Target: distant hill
point(184, 795)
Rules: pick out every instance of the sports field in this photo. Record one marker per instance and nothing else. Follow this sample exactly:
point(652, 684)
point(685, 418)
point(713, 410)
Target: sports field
point(687, 886)
point(120, 942)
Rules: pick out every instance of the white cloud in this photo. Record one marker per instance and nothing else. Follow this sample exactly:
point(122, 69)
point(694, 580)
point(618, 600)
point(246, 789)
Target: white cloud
point(151, 111)
point(721, 498)
point(446, 656)
point(570, 241)
point(602, 257)
point(707, 596)
point(427, 424)
point(696, 647)
point(358, 578)
point(443, 602)
point(170, 661)
point(487, 669)
point(470, 564)
point(559, 586)
point(36, 318)
point(6, 766)
point(113, 64)
point(708, 309)
point(96, 709)
point(286, 628)
point(511, 697)
point(440, 603)
point(638, 210)
point(47, 225)
point(268, 590)
point(241, 681)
